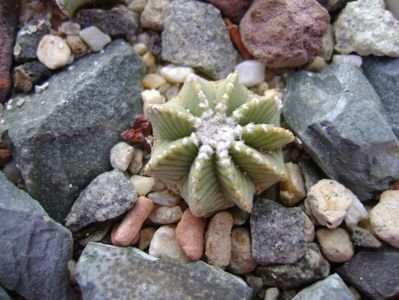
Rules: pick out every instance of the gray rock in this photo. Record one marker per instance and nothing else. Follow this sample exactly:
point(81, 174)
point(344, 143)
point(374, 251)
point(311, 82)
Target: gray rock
point(383, 74)
point(339, 118)
point(62, 136)
point(333, 287)
point(4, 295)
point(374, 272)
point(107, 272)
point(34, 249)
point(108, 196)
point(278, 233)
point(28, 39)
point(195, 35)
point(361, 237)
point(311, 267)
point(310, 171)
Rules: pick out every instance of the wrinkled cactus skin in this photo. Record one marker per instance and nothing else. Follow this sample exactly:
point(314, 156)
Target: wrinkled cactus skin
point(217, 144)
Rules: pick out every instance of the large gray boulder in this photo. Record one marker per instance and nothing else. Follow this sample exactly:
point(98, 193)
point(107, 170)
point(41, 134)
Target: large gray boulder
point(61, 137)
point(338, 116)
point(34, 249)
point(106, 272)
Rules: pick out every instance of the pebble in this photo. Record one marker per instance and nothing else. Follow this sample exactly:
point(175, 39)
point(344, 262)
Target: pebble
point(317, 64)
point(271, 293)
point(164, 198)
point(327, 49)
point(146, 235)
point(53, 52)
point(164, 244)
point(254, 282)
point(137, 6)
point(242, 261)
point(142, 184)
point(149, 59)
point(251, 72)
point(292, 190)
point(137, 161)
point(95, 38)
point(233, 9)
point(166, 215)
point(175, 74)
point(69, 28)
point(384, 217)
point(123, 240)
point(355, 60)
point(121, 156)
point(127, 231)
point(158, 185)
point(309, 228)
point(153, 81)
point(361, 237)
point(190, 235)
point(218, 239)
point(329, 202)
point(140, 48)
point(77, 45)
point(356, 213)
point(154, 14)
point(335, 244)
point(152, 97)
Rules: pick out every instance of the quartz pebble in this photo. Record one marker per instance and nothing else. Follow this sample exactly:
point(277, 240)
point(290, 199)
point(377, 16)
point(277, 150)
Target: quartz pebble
point(152, 97)
point(69, 28)
point(53, 52)
point(95, 38)
point(190, 235)
point(166, 215)
point(335, 244)
point(242, 261)
point(153, 81)
point(355, 60)
point(137, 161)
point(293, 189)
point(164, 198)
point(164, 245)
point(251, 72)
point(142, 184)
point(121, 155)
point(175, 74)
point(154, 13)
point(127, 231)
point(77, 45)
point(218, 239)
point(272, 293)
point(329, 202)
point(384, 217)
point(146, 235)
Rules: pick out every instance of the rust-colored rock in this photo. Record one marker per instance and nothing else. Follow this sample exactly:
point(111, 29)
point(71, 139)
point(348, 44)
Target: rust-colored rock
point(139, 132)
point(233, 9)
point(5, 156)
point(284, 33)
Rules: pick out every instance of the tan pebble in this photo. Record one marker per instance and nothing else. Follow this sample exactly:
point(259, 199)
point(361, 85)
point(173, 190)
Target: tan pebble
point(190, 235)
point(293, 189)
point(137, 5)
point(149, 59)
point(140, 48)
point(53, 52)
point(309, 228)
point(218, 239)
point(127, 231)
point(166, 214)
point(77, 45)
point(153, 81)
point(142, 184)
point(317, 64)
point(145, 237)
point(242, 261)
point(335, 244)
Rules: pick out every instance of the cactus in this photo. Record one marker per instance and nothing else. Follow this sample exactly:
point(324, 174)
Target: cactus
point(217, 143)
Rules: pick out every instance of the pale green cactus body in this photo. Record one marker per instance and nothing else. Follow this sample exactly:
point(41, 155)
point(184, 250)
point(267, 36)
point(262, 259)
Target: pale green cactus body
point(217, 144)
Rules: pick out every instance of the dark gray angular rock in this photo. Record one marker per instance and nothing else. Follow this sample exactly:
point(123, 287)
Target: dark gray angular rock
point(333, 287)
point(333, 5)
point(4, 295)
point(194, 35)
point(383, 74)
point(311, 267)
point(106, 272)
point(28, 39)
point(108, 196)
point(338, 116)
point(34, 249)
point(278, 233)
point(374, 272)
point(61, 137)
point(361, 237)
point(310, 171)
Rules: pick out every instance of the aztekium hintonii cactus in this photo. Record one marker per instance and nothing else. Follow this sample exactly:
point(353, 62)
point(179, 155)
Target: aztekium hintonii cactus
point(217, 144)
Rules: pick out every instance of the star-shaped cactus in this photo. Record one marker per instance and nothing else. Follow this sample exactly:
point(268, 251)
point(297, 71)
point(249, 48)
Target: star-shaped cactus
point(217, 143)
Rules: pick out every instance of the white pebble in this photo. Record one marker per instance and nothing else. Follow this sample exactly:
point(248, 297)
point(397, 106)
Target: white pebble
point(152, 97)
point(143, 185)
point(53, 52)
point(137, 161)
point(251, 72)
point(121, 155)
point(166, 215)
point(175, 74)
point(356, 213)
point(95, 38)
point(153, 81)
point(355, 60)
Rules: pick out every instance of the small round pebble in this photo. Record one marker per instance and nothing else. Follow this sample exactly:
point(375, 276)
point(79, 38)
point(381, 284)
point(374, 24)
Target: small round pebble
point(384, 217)
point(77, 45)
point(152, 97)
point(218, 239)
point(335, 244)
point(190, 234)
point(166, 215)
point(146, 235)
point(95, 38)
point(317, 64)
point(153, 81)
point(121, 155)
point(149, 59)
point(53, 52)
point(142, 184)
point(242, 261)
point(137, 161)
point(164, 244)
point(164, 198)
point(271, 293)
point(175, 74)
point(140, 48)
point(251, 72)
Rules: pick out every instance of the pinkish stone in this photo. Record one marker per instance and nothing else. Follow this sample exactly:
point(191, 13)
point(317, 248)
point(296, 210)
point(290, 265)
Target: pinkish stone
point(233, 9)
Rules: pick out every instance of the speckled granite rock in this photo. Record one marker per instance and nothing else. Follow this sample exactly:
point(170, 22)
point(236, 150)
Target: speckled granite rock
point(195, 36)
point(106, 272)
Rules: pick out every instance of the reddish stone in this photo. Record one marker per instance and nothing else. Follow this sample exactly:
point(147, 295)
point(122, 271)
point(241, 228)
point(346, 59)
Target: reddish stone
point(284, 33)
point(139, 132)
point(5, 156)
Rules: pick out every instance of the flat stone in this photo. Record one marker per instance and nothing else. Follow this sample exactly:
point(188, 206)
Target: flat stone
point(361, 237)
point(35, 249)
point(138, 275)
point(62, 137)
point(195, 36)
point(383, 74)
point(333, 287)
point(94, 38)
point(340, 120)
point(311, 267)
point(107, 197)
point(278, 233)
point(164, 198)
point(374, 272)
